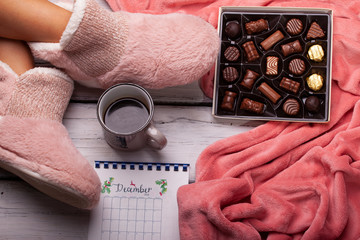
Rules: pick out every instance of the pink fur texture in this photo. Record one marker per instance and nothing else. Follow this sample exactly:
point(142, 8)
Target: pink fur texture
point(156, 56)
point(238, 175)
point(7, 82)
point(53, 53)
point(154, 51)
point(44, 147)
point(35, 145)
point(55, 87)
point(280, 180)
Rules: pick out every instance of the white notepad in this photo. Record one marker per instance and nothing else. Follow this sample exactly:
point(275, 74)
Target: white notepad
point(138, 201)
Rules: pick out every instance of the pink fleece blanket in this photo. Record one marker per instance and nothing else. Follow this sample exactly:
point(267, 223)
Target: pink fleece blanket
point(280, 180)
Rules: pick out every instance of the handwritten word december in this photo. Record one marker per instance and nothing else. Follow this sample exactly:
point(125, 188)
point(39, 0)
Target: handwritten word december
point(121, 188)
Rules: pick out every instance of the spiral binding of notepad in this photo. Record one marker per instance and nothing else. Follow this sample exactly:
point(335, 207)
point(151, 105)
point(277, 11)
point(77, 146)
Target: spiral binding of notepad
point(143, 166)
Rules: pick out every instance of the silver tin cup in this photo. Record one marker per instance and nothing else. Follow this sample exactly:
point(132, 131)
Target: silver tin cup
point(146, 134)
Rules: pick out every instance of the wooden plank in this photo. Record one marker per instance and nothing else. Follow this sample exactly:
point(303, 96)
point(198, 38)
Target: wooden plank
point(26, 213)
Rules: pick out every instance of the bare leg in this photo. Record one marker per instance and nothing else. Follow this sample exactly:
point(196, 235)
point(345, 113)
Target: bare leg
point(32, 20)
point(16, 54)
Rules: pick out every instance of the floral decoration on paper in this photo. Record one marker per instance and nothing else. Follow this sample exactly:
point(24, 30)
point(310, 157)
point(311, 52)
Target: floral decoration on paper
point(163, 186)
point(106, 186)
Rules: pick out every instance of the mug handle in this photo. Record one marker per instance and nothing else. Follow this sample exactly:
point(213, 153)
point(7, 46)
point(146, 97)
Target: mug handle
point(156, 139)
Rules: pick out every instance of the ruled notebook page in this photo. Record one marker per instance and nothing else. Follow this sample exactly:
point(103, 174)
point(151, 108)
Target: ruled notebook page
point(138, 201)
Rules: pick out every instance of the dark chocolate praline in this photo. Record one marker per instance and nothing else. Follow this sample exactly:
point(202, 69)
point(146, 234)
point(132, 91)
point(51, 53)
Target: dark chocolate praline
point(233, 30)
point(230, 74)
point(312, 104)
point(231, 53)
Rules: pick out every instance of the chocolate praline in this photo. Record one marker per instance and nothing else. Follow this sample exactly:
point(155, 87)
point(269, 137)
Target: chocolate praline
point(250, 51)
point(252, 106)
point(294, 26)
point(297, 66)
point(316, 53)
point(233, 30)
point(256, 26)
point(249, 79)
point(315, 31)
point(231, 53)
point(315, 82)
point(228, 101)
point(230, 74)
point(312, 104)
point(291, 47)
point(291, 107)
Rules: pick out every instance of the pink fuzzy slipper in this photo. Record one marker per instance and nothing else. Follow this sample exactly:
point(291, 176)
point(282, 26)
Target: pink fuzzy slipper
point(34, 144)
point(100, 48)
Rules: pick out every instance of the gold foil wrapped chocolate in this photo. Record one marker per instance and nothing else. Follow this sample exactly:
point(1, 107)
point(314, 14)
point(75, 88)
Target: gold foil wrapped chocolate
point(315, 82)
point(316, 53)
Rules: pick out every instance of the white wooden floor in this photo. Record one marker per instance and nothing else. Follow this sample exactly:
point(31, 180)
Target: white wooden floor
point(183, 114)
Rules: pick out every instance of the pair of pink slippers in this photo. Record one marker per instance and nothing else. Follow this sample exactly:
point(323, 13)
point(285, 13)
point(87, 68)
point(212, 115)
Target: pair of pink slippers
point(98, 49)
point(33, 142)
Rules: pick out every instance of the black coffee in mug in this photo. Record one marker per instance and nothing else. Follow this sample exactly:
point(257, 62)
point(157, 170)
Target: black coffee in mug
point(126, 115)
point(125, 112)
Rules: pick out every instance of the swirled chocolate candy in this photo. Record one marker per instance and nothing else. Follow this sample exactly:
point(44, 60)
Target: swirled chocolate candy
point(294, 26)
point(252, 106)
point(315, 31)
point(269, 92)
point(291, 107)
point(250, 51)
point(232, 53)
point(291, 47)
point(315, 82)
point(230, 74)
point(316, 53)
point(271, 40)
point(289, 85)
point(233, 29)
point(272, 65)
point(249, 79)
point(312, 104)
point(228, 101)
point(297, 66)
point(256, 26)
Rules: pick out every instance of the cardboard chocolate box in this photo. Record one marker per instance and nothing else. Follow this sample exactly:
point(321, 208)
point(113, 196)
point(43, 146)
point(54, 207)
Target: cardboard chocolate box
point(274, 64)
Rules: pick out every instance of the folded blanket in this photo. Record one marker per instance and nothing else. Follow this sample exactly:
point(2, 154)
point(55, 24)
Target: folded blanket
point(280, 180)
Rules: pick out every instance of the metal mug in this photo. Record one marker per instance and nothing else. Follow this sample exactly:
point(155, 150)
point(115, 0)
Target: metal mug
point(146, 134)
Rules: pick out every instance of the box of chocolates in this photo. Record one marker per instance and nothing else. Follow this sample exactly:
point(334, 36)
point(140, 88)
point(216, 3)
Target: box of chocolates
point(274, 64)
